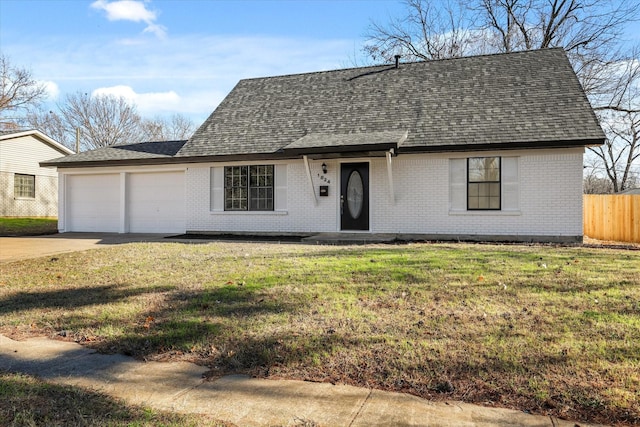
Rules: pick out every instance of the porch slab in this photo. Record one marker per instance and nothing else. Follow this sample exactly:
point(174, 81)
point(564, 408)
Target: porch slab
point(349, 238)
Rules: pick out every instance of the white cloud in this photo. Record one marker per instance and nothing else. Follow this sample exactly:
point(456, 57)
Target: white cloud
point(131, 10)
point(187, 74)
point(52, 90)
point(147, 103)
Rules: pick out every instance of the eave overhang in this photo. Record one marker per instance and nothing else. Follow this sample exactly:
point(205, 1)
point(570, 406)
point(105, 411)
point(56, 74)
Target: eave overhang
point(315, 153)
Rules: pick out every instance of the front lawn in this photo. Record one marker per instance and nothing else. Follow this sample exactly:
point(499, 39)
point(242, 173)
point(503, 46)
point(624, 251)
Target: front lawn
point(27, 226)
point(546, 329)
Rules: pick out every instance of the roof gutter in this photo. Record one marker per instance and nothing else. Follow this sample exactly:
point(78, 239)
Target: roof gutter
point(367, 150)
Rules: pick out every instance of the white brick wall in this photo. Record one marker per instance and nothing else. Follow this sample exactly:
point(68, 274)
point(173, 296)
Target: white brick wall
point(302, 214)
point(550, 198)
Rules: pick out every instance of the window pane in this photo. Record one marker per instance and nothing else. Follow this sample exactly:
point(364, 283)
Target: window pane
point(492, 174)
point(483, 185)
point(24, 186)
point(483, 203)
point(235, 188)
point(261, 188)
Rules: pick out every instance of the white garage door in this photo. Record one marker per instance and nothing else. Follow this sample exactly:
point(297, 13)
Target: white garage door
point(92, 203)
point(156, 203)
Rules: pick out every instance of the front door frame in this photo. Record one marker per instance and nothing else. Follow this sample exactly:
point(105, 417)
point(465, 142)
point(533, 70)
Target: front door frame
point(367, 195)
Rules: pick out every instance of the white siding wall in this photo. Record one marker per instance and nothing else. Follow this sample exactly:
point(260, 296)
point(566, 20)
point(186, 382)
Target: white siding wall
point(22, 155)
point(549, 191)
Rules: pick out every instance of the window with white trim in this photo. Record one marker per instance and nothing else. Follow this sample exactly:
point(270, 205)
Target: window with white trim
point(24, 186)
point(484, 185)
point(248, 188)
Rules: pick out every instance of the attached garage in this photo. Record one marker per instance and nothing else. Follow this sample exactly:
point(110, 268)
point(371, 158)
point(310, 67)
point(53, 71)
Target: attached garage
point(155, 202)
point(92, 203)
point(124, 202)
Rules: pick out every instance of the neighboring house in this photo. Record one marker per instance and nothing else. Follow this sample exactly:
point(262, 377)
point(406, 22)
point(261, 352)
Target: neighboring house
point(631, 191)
point(26, 188)
point(485, 147)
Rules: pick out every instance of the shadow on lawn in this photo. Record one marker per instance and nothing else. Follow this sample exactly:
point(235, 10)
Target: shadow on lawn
point(71, 298)
point(206, 326)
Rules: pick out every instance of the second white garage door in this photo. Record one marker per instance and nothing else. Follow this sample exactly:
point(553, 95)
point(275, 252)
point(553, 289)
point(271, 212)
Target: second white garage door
point(156, 202)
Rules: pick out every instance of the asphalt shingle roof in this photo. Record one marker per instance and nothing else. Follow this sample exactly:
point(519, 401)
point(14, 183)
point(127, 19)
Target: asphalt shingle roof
point(140, 151)
point(516, 100)
point(525, 97)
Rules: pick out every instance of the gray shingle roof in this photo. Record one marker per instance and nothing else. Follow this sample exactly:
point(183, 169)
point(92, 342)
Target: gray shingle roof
point(515, 100)
point(327, 140)
point(151, 152)
point(529, 98)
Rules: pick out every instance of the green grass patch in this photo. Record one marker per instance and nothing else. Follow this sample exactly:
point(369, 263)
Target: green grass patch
point(547, 329)
point(27, 401)
point(27, 226)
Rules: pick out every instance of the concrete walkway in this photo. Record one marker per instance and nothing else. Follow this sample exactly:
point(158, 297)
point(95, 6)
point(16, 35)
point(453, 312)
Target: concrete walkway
point(245, 401)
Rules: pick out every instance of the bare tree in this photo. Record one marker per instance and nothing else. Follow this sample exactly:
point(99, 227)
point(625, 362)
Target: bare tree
point(575, 25)
point(620, 155)
point(18, 92)
point(103, 120)
point(428, 31)
point(595, 184)
point(177, 127)
point(50, 123)
point(616, 100)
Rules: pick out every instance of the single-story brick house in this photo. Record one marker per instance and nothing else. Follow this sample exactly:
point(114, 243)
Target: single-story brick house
point(484, 147)
point(26, 188)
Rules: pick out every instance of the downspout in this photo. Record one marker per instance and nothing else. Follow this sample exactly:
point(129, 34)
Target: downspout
point(308, 169)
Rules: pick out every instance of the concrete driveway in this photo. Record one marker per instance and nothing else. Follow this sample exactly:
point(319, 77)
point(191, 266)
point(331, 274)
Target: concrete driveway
point(17, 248)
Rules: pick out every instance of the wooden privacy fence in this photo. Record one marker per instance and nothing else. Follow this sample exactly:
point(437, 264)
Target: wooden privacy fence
point(612, 217)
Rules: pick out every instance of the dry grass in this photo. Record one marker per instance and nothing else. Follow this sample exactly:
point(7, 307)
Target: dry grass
point(546, 329)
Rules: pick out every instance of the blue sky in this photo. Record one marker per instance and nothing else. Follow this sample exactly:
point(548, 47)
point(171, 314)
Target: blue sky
point(171, 56)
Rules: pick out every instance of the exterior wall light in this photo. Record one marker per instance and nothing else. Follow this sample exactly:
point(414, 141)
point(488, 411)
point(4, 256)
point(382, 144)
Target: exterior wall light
point(324, 168)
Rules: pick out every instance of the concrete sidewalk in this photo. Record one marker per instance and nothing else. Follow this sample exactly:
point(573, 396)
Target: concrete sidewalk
point(245, 401)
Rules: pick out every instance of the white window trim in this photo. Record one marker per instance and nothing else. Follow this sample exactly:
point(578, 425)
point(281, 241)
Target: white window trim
point(34, 187)
point(260, 213)
point(279, 191)
point(486, 213)
point(459, 184)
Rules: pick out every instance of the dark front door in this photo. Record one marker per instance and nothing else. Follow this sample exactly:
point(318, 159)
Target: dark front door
point(354, 196)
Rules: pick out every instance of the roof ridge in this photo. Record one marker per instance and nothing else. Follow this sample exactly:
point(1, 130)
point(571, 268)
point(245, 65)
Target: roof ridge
point(367, 67)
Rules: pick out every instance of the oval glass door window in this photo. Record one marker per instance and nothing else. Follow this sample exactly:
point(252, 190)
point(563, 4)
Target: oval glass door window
point(355, 194)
